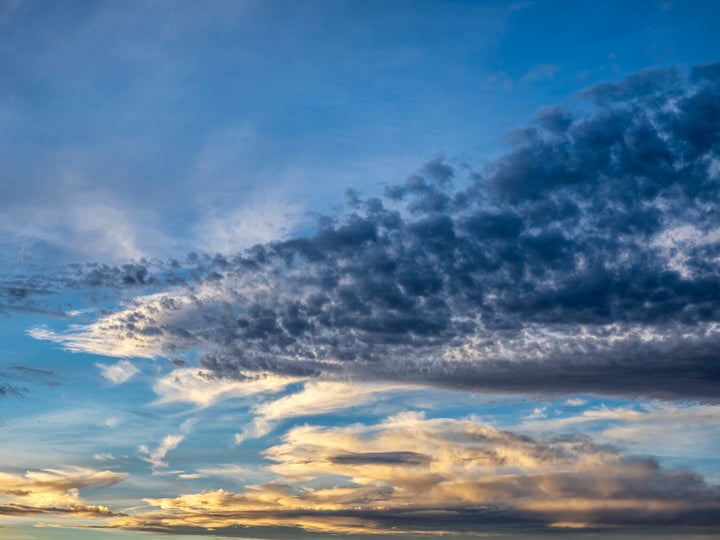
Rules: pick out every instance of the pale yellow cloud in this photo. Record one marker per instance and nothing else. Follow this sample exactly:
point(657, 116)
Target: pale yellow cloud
point(315, 398)
point(410, 469)
point(54, 490)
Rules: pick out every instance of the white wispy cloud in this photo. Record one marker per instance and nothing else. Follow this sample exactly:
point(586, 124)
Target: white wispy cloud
point(204, 388)
point(156, 457)
point(118, 373)
point(315, 398)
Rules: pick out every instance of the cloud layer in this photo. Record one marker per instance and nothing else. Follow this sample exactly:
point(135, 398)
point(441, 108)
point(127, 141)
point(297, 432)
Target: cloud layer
point(585, 259)
point(410, 473)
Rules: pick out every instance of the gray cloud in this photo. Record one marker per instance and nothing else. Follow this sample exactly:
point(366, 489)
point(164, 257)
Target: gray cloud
point(380, 458)
point(585, 259)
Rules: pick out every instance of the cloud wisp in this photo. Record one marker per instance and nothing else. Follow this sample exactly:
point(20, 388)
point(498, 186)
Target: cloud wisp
point(583, 260)
point(15, 380)
point(118, 373)
point(315, 398)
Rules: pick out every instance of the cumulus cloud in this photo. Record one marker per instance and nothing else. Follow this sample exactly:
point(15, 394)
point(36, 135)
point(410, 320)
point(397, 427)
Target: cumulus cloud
point(583, 260)
point(442, 475)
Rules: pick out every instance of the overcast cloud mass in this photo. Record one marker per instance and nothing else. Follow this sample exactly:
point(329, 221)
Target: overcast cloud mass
point(355, 270)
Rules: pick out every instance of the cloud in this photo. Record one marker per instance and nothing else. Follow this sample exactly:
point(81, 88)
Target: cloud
point(540, 73)
point(538, 412)
point(156, 457)
point(118, 373)
point(203, 388)
point(127, 333)
point(440, 475)
point(318, 397)
point(54, 491)
point(16, 380)
point(584, 260)
point(234, 230)
point(230, 470)
point(84, 222)
point(644, 427)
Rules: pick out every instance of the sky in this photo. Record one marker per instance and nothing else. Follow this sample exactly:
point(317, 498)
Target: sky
point(354, 270)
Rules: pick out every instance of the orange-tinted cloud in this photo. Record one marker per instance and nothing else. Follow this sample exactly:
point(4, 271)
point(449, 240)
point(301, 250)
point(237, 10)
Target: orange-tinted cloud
point(410, 473)
point(51, 491)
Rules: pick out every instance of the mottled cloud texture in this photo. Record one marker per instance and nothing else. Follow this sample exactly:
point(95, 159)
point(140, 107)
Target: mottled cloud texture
point(583, 260)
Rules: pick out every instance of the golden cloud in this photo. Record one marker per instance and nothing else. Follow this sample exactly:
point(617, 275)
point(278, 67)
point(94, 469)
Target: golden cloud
point(411, 473)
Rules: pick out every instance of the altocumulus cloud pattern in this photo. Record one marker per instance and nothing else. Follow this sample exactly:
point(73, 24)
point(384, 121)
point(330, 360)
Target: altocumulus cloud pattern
point(584, 260)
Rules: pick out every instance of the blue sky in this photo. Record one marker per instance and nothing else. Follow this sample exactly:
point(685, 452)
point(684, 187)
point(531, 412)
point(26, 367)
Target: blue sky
point(359, 269)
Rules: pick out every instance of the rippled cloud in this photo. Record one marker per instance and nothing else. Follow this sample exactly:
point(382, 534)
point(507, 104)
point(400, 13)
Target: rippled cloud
point(584, 260)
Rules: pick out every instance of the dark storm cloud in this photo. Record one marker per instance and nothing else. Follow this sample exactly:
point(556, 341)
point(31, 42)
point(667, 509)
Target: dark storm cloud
point(585, 259)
